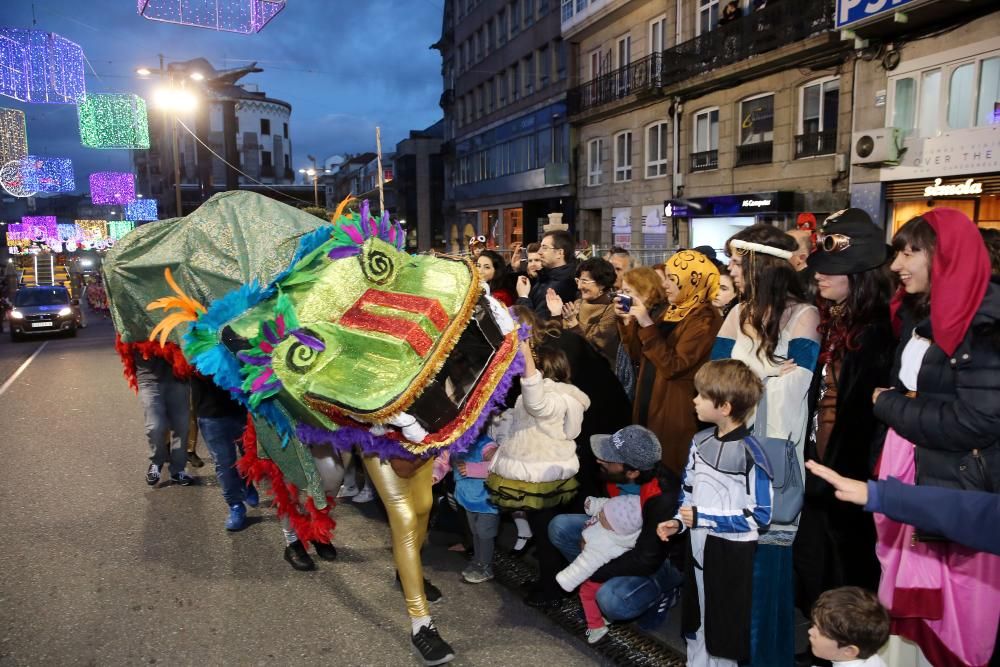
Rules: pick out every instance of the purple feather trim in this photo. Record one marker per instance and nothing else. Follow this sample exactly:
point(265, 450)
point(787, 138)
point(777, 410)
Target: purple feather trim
point(253, 360)
point(341, 253)
point(269, 386)
point(346, 437)
point(309, 341)
point(269, 334)
point(364, 212)
point(262, 380)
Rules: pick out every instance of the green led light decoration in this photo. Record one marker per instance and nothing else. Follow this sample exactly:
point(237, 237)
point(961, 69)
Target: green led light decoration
point(113, 121)
point(119, 228)
point(13, 135)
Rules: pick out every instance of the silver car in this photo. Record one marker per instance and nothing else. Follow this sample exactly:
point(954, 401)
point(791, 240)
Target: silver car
point(41, 310)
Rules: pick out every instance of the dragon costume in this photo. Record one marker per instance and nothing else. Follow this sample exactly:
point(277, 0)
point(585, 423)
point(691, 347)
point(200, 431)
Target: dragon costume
point(333, 337)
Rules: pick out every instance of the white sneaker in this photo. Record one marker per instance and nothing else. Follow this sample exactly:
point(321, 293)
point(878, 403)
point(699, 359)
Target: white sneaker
point(365, 495)
point(595, 635)
point(347, 491)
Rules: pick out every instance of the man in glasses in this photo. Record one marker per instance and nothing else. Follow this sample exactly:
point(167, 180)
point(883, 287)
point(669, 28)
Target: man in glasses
point(558, 272)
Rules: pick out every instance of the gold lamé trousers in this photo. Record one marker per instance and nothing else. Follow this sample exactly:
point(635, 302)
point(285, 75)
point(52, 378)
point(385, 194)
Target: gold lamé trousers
point(408, 504)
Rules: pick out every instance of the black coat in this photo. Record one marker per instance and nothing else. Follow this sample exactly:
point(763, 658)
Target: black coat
point(954, 420)
point(562, 279)
point(835, 545)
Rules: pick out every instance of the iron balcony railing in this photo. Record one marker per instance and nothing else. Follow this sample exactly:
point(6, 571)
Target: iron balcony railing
point(815, 143)
point(705, 160)
point(643, 75)
point(757, 153)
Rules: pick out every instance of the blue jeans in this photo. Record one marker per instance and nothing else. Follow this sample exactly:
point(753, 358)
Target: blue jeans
point(620, 598)
point(221, 435)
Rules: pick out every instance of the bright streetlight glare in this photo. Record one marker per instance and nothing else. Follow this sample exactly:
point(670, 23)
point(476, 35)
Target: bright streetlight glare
point(175, 99)
point(197, 76)
point(143, 71)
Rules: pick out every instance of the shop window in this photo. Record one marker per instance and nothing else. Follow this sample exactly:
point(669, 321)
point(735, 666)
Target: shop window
point(657, 163)
point(904, 108)
point(988, 112)
point(961, 92)
point(706, 140)
point(930, 97)
point(594, 148)
point(708, 16)
point(819, 105)
point(623, 157)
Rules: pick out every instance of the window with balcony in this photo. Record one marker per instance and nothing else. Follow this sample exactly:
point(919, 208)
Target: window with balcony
point(567, 10)
point(594, 148)
point(756, 141)
point(657, 160)
point(819, 105)
point(623, 157)
point(705, 153)
point(580, 5)
point(657, 34)
point(595, 64)
point(708, 16)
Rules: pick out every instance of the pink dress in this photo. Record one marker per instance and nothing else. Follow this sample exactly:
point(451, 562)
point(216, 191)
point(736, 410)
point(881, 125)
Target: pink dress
point(941, 595)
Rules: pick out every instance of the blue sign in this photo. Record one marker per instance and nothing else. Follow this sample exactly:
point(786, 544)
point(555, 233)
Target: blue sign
point(850, 12)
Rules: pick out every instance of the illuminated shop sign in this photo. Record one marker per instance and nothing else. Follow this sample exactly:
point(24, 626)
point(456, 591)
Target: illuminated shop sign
point(968, 187)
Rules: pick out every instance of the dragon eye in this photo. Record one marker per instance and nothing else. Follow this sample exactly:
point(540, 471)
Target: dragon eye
point(302, 356)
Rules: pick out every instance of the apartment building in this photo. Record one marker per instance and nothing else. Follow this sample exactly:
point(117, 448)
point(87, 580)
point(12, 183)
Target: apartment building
point(691, 126)
point(507, 140)
point(927, 118)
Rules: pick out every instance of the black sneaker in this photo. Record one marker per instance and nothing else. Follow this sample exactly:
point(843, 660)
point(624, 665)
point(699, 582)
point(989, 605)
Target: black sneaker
point(153, 474)
point(195, 460)
point(298, 557)
point(431, 592)
point(430, 646)
point(183, 479)
point(325, 550)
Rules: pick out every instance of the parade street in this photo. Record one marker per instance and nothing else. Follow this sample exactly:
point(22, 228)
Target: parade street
point(100, 569)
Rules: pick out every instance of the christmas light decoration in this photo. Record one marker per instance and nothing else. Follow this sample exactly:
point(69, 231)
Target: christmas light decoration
point(68, 231)
point(18, 231)
point(92, 231)
point(112, 187)
point(119, 228)
point(243, 16)
point(42, 67)
point(13, 137)
point(141, 209)
point(40, 226)
point(12, 179)
point(113, 121)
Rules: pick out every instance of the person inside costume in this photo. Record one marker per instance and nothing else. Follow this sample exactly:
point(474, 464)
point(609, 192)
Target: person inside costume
point(773, 330)
point(669, 346)
point(943, 411)
point(333, 338)
point(725, 502)
point(835, 545)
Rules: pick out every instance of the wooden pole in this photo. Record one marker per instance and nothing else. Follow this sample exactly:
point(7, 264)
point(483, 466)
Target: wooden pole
point(381, 184)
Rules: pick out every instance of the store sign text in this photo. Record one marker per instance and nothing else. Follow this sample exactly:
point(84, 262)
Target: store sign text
point(969, 187)
point(756, 203)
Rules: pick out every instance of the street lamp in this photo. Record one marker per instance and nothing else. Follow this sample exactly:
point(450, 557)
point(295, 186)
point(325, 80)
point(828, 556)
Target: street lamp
point(314, 173)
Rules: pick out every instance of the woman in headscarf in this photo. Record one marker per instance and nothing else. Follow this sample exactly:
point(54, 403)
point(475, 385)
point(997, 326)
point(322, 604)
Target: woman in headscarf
point(835, 545)
point(943, 411)
point(773, 330)
point(670, 344)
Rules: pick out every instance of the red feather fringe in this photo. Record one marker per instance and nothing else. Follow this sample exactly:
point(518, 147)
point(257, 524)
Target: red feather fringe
point(309, 523)
point(170, 352)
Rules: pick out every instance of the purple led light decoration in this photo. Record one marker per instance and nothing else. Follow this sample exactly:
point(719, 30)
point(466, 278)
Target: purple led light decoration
point(33, 174)
point(40, 226)
point(141, 209)
point(112, 187)
point(13, 135)
point(38, 66)
point(243, 16)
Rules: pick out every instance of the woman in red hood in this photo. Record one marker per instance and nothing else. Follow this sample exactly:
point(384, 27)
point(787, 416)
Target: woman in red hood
point(944, 417)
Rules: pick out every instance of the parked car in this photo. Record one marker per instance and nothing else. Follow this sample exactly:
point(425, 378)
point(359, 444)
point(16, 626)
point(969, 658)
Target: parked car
point(43, 310)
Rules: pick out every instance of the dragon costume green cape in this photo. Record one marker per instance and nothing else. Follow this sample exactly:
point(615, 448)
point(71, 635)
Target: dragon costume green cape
point(330, 334)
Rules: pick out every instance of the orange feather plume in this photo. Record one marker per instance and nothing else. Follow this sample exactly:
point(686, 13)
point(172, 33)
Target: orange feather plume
point(187, 309)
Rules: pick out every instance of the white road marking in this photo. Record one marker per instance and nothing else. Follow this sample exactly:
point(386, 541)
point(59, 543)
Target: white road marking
point(6, 385)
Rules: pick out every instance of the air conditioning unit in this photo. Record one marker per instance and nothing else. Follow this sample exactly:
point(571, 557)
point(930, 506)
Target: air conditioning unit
point(876, 147)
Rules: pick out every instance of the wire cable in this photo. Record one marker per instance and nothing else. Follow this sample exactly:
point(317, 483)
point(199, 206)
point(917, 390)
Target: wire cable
point(238, 170)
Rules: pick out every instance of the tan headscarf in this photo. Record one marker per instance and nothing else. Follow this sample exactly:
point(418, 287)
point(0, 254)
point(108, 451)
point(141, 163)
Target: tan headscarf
point(698, 279)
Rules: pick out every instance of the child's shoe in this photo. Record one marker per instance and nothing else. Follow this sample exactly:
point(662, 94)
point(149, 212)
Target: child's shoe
point(476, 574)
point(595, 635)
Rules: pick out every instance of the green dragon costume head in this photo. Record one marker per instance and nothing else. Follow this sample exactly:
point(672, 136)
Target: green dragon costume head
point(330, 334)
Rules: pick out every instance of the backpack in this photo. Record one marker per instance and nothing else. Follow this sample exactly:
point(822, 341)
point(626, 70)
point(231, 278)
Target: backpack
point(788, 488)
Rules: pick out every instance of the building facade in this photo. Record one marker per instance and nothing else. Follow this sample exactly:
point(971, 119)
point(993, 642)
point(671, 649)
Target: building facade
point(507, 139)
point(419, 184)
point(691, 126)
point(927, 118)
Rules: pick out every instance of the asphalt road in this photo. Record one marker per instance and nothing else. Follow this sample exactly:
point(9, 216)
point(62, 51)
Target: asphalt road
point(97, 568)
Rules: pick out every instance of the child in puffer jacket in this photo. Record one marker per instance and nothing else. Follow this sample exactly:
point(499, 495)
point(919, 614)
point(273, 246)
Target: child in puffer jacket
point(536, 457)
point(613, 529)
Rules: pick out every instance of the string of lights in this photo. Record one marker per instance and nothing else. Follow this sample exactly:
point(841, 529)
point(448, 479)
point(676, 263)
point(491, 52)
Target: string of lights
point(114, 121)
point(119, 228)
point(242, 16)
point(92, 231)
point(33, 174)
point(13, 135)
point(112, 187)
point(40, 67)
point(142, 210)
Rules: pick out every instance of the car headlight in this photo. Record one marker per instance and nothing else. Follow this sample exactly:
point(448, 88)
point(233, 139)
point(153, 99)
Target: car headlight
point(65, 312)
point(16, 315)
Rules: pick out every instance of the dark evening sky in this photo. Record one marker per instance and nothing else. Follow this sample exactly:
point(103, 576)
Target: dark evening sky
point(344, 66)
